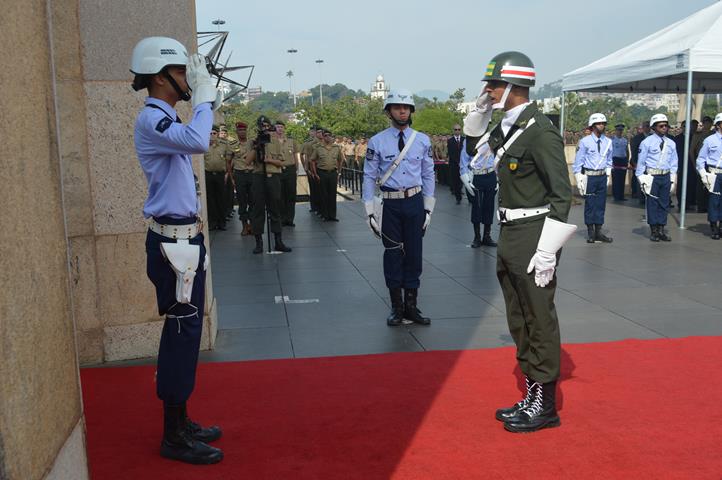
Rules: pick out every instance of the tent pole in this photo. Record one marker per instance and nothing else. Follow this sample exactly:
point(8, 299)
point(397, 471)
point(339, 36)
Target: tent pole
point(561, 117)
point(685, 166)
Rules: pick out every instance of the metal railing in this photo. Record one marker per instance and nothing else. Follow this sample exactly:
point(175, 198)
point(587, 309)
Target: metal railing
point(351, 179)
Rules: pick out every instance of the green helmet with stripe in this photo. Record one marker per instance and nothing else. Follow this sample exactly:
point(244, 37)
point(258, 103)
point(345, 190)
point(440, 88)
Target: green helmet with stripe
point(511, 67)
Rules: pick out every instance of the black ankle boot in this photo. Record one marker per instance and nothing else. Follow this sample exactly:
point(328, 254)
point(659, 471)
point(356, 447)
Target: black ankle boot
point(510, 414)
point(486, 240)
point(477, 236)
point(179, 444)
point(259, 245)
point(655, 233)
point(662, 235)
point(599, 236)
point(280, 247)
point(198, 432)
point(396, 317)
point(715, 230)
point(411, 311)
point(540, 413)
point(590, 233)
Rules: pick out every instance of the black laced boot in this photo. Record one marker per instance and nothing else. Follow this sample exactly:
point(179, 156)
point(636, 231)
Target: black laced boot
point(477, 236)
point(509, 414)
point(279, 246)
point(655, 233)
point(198, 432)
point(590, 234)
point(396, 317)
point(411, 311)
point(540, 413)
point(179, 444)
point(599, 236)
point(259, 245)
point(486, 240)
point(715, 230)
point(662, 235)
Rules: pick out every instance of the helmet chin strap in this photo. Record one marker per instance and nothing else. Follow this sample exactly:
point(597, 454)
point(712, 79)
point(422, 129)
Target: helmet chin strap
point(400, 123)
point(185, 96)
point(502, 102)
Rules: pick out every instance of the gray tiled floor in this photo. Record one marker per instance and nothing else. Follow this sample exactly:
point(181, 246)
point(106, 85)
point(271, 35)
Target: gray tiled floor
point(337, 299)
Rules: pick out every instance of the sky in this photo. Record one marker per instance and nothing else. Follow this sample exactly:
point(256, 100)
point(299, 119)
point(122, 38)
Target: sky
point(426, 45)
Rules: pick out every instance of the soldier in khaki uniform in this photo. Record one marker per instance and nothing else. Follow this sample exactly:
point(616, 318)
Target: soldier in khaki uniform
point(229, 185)
point(267, 188)
point(243, 176)
point(534, 201)
point(217, 163)
point(288, 176)
point(359, 153)
point(348, 153)
point(308, 149)
point(325, 162)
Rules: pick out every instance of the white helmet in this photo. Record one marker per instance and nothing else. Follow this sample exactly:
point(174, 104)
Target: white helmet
point(153, 54)
point(597, 118)
point(400, 97)
point(717, 118)
point(659, 117)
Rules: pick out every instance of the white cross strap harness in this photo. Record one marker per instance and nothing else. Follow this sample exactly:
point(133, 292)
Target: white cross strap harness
point(384, 178)
point(502, 150)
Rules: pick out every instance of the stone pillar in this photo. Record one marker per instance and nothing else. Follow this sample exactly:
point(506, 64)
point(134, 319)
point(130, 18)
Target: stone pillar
point(114, 302)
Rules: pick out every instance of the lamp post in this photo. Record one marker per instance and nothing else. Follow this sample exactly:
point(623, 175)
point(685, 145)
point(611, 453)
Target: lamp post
point(291, 51)
point(320, 78)
point(218, 22)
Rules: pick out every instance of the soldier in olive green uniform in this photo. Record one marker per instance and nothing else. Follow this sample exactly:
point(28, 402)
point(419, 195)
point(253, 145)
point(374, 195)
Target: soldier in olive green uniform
point(307, 150)
point(267, 189)
point(288, 176)
point(243, 176)
point(217, 162)
point(325, 162)
point(534, 200)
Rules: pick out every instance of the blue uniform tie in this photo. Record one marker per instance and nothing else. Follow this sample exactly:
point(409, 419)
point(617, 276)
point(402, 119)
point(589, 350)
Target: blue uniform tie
point(401, 141)
point(599, 146)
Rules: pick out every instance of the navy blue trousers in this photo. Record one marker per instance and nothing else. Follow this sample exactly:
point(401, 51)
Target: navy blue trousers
point(402, 222)
point(657, 207)
point(482, 204)
point(619, 176)
point(714, 203)
point(595, 201)
point(181, 338)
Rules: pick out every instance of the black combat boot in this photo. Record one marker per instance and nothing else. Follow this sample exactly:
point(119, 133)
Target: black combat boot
point(662, 235)
point(590, 234)
point(599, 236)
point(259, 244)
point(279, 246)
point(411, 311)
point(396, 317)
point(486, 240)
point(477, 236)
point(540, 413)
point(509, 414)
point(655, 233)
point(179, 444)
point(715, 230)
point(198, 432)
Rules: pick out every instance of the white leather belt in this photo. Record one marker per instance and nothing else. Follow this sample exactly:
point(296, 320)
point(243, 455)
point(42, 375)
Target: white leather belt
point(482, 171)
point(396, 194)
point(183, 232)
point(657, 171)
point(510, 214)
point(595, 173)
point(714, 169)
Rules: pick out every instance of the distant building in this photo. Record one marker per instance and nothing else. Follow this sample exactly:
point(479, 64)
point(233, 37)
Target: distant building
point(466, 107)
point(379, 89)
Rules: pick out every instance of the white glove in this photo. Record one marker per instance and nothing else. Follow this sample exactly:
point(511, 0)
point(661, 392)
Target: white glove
point(708, 179)
point(609, 176)
point(429, 203)
point(645, 183)
point(372, 221)
point(200, 83)
point(673, 183)
point(466, 179)
point(477, 121)
point(581, 183)
point(553, 236)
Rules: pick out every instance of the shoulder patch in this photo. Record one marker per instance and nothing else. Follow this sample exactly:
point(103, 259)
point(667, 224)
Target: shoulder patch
point(163, 125)
point(370, 152)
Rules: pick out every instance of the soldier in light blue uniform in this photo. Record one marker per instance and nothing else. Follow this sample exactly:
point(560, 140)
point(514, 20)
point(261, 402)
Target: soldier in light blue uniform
point(176, 255)
point(657, 175)
point(479, 179)
point(592, 169)
point(620, 162)
point(401, 213)
point(709, 167)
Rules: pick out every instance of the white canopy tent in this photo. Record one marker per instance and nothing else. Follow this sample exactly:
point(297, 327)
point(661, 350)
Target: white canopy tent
point(685, 57)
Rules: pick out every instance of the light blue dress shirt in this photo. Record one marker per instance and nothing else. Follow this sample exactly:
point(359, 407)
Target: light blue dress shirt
point(652, 155)
point(619, 147)
point(592, 158)
point(711, 152)
point(417, 168)
point(164, 148)
point(484, 160)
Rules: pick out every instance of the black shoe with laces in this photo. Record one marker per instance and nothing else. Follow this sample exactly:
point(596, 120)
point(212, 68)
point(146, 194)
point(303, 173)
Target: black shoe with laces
point(509, 414)
point(200, 433)
point(411, 311)
point(540, 413)
point(179, 444)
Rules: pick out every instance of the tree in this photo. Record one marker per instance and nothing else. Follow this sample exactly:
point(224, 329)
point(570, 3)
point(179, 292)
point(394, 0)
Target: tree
point(437, 119)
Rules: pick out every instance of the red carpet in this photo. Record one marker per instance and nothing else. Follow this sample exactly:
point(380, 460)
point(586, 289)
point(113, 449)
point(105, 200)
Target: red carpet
point(631, 409)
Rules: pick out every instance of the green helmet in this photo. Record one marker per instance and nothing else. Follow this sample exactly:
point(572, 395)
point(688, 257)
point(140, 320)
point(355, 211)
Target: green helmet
point(511, 67)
